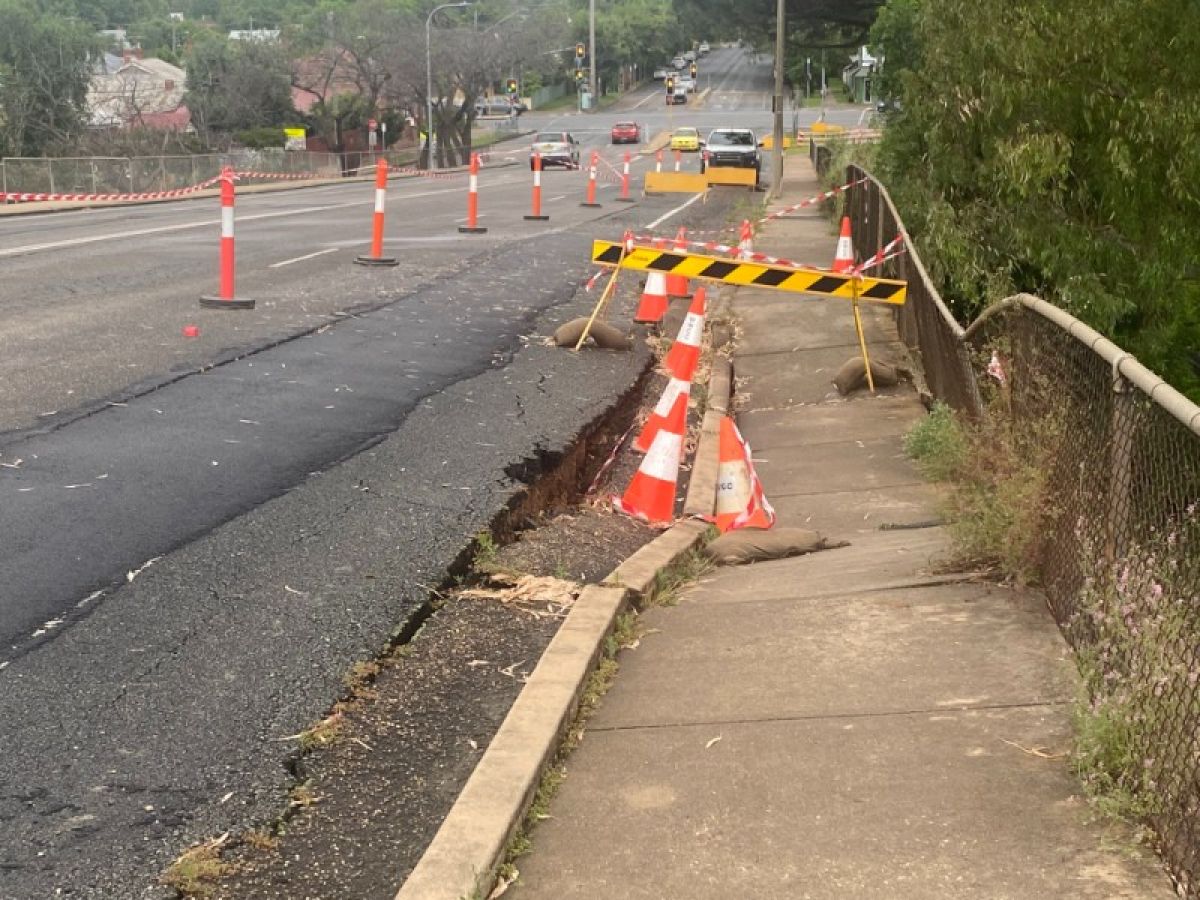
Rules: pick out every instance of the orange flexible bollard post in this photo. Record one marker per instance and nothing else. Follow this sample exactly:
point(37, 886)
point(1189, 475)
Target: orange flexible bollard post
point(225, 298)
point(591, 189)
point(472, 226)
point(625, 198)
point(376, 257)
point(536, 211)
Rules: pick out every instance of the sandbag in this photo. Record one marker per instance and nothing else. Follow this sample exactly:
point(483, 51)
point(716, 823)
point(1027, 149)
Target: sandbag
point(853, 375)
point(604, 335)
point(747, 545)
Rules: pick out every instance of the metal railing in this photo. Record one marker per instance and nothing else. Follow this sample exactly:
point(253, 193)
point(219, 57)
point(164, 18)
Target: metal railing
point(1119, 550)
point(144, 174)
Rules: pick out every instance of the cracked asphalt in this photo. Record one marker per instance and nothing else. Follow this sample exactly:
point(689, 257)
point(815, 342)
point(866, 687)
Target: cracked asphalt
point(198, 538)
point(299, 503)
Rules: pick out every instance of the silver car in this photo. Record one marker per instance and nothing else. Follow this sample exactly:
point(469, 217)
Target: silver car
point(557, 148)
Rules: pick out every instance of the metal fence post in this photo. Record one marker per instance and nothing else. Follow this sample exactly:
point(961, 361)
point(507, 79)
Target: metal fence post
point(1120, 462)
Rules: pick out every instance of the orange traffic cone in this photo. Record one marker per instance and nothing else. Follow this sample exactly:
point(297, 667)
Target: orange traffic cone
point(662, 410)
point(746, 240)
point(740, 499)
point(653, 305)
point(677, 285)
point(843, 257)
point(651, 494)
point(685, 352)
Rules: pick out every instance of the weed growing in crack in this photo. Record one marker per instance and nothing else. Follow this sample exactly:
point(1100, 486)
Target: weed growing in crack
point(486, 552)
point(196, 870)
point(322, 734)
point(668, 583)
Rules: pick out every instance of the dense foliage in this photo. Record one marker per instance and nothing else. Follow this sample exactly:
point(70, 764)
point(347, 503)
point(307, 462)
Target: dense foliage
point(1048, 146)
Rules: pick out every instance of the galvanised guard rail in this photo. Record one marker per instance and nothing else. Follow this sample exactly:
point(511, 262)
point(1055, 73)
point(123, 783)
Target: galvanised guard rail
point(1119, 550)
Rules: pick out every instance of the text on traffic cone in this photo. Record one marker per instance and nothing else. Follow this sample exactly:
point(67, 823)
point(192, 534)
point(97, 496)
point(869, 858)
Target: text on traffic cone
point(741, 502)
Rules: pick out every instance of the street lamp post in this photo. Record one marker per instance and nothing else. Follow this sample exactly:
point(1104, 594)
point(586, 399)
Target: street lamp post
point(429, 129)
point(777, 104)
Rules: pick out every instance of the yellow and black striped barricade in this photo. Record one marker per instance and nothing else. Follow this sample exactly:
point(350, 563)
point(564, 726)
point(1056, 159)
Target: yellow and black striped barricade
point(796, 279)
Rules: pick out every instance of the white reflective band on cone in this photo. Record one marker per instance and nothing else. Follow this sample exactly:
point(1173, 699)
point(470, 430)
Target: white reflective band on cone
point(537, 177)
point(666, 402)
point(662, 460)
point(226, 221)
point(473, 186)
point(656, 283)
point(693, 327)
point(380, 194)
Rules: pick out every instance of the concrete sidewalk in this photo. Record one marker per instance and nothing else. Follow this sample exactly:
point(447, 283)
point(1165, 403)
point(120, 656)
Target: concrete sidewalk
point(845, 724)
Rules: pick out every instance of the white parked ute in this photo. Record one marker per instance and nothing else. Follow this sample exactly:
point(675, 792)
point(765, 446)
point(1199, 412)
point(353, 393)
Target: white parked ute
point(557, 148)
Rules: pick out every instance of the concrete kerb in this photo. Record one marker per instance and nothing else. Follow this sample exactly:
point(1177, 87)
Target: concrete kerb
point(461, 861)
point(656, 143)
point(702, 488)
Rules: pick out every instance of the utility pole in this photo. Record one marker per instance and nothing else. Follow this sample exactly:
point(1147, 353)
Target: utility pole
point(777, 105)
point(592, 51)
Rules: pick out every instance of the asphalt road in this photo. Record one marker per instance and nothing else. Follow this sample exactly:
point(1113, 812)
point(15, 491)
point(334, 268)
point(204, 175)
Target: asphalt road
point(200, 536)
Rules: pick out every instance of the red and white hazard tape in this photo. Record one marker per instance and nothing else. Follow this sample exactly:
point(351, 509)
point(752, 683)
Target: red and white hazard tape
point(148, 195)
point(279, 176)
point(780, 213)
point(151, 195)
point(885, 253)
point(726, 250)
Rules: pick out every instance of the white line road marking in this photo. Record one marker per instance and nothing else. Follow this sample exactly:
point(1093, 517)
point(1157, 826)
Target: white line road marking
point(288, 262)
point(649, 97)
point(559, 197)
point(677, 209)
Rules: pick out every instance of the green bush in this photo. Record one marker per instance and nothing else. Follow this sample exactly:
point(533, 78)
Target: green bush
point(937, 444)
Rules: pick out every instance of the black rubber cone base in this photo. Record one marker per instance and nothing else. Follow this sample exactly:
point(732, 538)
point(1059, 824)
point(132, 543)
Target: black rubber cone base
point(463, 229)
point(625, 200)
point(595, 205)
point(218, 303)
point(537, 218)
point(376, 260)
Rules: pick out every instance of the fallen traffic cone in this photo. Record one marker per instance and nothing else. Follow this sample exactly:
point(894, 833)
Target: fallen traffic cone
point(746, 240)
point(658, 418)
point(677, 285)
point(653, 305)
point(740, 499)
point(843, 257)
point(651, 494)
point(685, 352)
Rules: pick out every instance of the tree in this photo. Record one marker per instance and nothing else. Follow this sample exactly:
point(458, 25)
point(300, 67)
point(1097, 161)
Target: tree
point(44, 71)
point(1047, 146)
point(237, 85)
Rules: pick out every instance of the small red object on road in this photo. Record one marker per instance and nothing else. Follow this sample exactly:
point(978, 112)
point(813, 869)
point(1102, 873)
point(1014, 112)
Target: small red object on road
point(191, 331)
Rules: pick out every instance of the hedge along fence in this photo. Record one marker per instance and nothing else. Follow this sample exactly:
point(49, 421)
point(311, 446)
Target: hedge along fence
point(1119, 547)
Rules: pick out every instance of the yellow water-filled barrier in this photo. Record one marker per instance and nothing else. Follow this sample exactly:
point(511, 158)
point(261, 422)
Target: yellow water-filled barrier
point(675, 183)
point(731, 175)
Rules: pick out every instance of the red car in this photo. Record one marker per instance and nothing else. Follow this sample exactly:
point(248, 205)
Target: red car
point(626, 133)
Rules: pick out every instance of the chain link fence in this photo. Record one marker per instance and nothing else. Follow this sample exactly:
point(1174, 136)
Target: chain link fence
point(144, 174)
point(1119, 550)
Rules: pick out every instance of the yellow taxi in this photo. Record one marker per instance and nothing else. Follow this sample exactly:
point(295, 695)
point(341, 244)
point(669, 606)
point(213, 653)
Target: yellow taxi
point(685, 139)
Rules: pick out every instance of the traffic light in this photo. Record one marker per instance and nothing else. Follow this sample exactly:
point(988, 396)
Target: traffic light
point(512, 85)
point(580, 52)
point(670, 84)
point(693, 70)
point(578, 75)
